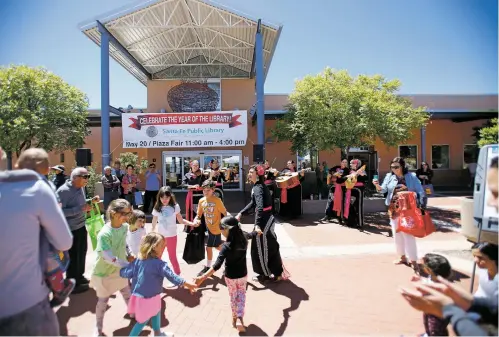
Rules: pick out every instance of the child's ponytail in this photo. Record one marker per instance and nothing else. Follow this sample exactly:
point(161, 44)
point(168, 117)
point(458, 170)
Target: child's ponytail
point(149, 244)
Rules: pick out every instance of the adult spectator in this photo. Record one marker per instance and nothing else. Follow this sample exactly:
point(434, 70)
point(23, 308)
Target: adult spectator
point(111, 185)
point(59, 177)
point(153, 182)
point(28, 205)
point(424, 174)
point(399, 180)
point(119, 173)
point(129, 185)
point(75, 206)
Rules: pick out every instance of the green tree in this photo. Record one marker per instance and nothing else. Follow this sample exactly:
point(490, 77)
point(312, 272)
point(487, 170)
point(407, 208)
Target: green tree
point(38, 109)
point(335, 110)
point(130, 158)
point(488, 133)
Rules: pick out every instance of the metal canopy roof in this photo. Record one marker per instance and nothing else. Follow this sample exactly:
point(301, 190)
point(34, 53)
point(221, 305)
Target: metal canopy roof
point(183, 39)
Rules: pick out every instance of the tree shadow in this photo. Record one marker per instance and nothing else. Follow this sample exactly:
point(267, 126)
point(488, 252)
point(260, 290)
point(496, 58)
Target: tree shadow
point(445, 221)
point(253, 330)
point(290, 290)
point(184, 296)
point(376, 230)
point(125, 331)
point(77, 305)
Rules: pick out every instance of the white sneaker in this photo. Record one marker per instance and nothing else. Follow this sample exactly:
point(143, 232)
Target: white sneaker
point(168, 334)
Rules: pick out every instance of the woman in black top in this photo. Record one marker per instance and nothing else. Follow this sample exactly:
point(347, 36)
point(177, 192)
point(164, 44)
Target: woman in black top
point(233, 252)
point(424, 174)
point(265, 255)
point(356, 206)
point(195, 176)
point(292, 208)
point(336, 175)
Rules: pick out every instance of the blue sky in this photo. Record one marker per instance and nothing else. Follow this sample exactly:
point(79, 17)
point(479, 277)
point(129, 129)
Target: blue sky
point(434, 47)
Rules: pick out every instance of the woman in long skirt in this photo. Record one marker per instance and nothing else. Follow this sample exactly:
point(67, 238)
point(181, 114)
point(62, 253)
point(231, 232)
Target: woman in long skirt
point(292, 208)
point(265, 255)
point(355, 213)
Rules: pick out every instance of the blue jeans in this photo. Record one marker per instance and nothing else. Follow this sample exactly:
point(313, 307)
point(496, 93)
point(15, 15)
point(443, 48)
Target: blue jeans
point(39, 320)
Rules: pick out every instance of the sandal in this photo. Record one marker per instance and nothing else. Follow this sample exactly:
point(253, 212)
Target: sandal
point(277, 279)
point(401, 260)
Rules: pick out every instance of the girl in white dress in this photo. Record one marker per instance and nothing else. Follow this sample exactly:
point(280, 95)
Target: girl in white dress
point(165, 214)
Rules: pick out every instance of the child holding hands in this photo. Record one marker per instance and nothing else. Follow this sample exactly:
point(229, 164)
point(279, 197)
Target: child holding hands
point(147, 274)
point(233, 253)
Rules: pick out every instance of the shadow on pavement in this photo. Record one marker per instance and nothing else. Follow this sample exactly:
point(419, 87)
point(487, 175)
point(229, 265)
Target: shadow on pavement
point(77, 305)
point(184, 296)
point(290, 290)
point(305, 220)
point(253, 330)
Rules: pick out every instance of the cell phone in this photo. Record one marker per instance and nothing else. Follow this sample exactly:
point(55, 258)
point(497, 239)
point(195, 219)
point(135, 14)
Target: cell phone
point(375, 177)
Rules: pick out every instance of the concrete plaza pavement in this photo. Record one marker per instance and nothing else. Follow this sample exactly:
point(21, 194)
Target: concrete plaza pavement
point(342, 281)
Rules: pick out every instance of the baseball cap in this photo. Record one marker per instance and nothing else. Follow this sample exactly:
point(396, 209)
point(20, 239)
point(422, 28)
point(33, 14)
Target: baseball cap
point(59, 167)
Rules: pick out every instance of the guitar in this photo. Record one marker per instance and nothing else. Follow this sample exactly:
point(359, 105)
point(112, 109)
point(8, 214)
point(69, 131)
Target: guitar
point(289, 179)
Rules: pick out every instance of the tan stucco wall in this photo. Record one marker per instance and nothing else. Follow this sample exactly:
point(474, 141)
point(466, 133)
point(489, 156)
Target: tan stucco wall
point(240, 94)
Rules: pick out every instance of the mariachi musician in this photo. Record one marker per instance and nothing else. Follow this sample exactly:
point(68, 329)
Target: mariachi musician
point(193, 180)
point(291, 195)
point(350, 202)
point(270, 175)
point(215, 173)
point(336, 176)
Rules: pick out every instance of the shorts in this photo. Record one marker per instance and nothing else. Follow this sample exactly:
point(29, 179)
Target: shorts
point(214, 240)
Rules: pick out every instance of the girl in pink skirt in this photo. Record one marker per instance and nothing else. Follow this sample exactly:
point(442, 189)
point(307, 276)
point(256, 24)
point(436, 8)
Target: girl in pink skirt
point(147, 274)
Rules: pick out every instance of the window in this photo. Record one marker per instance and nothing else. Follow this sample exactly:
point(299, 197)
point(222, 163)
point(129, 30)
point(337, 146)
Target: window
point(470, 154)
point(61, 158)
point(410, 155)
point(440, 156)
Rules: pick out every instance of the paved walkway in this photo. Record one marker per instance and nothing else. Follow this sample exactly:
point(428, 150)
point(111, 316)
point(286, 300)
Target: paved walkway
point(343, 282)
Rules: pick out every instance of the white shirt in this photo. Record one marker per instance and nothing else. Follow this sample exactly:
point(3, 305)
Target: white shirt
point(133, 240)
point(167, 220)
point(486, 288)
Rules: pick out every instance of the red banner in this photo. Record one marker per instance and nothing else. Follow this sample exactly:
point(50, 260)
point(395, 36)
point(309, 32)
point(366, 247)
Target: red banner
point(185, 118)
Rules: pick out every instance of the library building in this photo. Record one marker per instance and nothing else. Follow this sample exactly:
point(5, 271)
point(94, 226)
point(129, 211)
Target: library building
point(204, 67)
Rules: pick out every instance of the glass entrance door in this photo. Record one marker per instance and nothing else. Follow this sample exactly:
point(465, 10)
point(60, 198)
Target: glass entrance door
point(177, 164)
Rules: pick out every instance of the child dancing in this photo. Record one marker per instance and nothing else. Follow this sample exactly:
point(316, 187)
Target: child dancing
point(136, 231)
point(213, 209)
point(147, 274)
point(166, 213)
point(111, 256)
point(233, 253)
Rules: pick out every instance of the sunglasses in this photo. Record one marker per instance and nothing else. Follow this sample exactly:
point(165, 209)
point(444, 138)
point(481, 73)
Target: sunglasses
point(167, 194)
point(395, 167)
point(84, 176)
